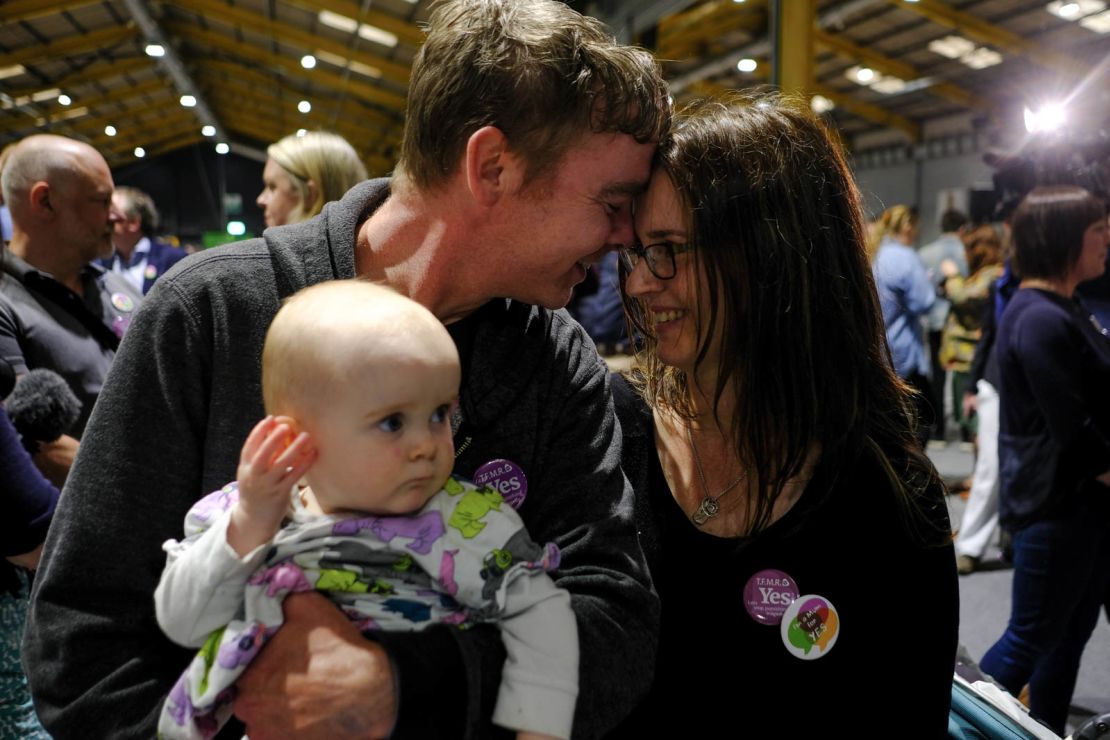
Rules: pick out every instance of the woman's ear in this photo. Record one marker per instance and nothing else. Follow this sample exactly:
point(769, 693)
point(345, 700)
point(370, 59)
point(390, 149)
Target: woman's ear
point(491, 169)
point(313, 193)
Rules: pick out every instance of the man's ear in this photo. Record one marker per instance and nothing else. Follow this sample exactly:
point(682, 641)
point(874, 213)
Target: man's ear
point(492, 170)
point(41, 200)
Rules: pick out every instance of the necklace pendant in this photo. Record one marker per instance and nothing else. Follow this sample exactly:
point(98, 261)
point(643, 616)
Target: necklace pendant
point(706, 510)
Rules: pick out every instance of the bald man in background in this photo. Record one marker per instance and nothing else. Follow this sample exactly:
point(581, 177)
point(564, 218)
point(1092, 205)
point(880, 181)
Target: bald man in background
point(57, 309)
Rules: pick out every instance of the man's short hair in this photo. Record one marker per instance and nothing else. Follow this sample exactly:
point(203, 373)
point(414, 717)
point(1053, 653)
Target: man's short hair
point(537, 70)
point(952, 220)
point(137, 204)
point(1048, 228)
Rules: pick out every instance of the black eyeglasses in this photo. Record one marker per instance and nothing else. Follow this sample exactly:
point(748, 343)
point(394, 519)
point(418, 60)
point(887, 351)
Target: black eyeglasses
point(660, 257)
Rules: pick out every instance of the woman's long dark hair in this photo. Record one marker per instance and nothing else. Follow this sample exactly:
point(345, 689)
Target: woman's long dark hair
point(776, 223)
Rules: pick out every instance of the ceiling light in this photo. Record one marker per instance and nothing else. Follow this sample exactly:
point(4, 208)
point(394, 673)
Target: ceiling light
point(12, 71)
point(64, 99)
point(1071, 10)
point(155, 50)
point(301, 132)
point(820, 104)
point(110, 130)
point(747, 65)
point(952, 47)
point(982, 58)
point(304, 106)
point(43, 95)
point(888, 85)
point(222, 148)
point(308, 61)
point(337, 21)
point(208, 130)
point(140, 152)
point(188, 101)
point(1098, 23)
point(865, 74)
point(343, 63)
point(377, 35)
point(1049, 118)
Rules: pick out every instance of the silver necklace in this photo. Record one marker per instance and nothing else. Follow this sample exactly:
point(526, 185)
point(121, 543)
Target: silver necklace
point(709, 506)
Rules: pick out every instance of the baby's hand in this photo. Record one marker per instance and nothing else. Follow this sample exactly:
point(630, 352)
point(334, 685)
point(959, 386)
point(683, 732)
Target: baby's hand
point(270, 464)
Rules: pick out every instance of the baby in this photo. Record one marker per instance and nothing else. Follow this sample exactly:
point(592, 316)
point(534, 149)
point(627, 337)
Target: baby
point(360, 384)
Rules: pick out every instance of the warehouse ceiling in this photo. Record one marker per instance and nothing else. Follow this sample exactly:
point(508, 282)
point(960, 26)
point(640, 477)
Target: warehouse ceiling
point(81, 68)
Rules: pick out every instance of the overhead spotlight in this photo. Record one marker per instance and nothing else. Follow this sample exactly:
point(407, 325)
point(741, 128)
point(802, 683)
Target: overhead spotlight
point(308, 61)
point(301, 132)
point(865, 74)
point(155, 50)
point(222, 148)
point(747, 65)
point(64, 99)
point(110, 130)
point(820, 104)
point(140, 152)
point(1051, 117)
point(188, 101)
point(208, 130)
point(304, 106)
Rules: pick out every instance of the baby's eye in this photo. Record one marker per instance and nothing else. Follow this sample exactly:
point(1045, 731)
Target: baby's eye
point(441, 414)
point(391, 423)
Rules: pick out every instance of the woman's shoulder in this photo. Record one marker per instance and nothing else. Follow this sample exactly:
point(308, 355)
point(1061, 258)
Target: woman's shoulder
point(632, 410)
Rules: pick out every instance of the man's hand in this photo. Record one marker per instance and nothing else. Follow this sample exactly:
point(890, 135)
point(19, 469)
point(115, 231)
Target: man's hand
point(317, 679)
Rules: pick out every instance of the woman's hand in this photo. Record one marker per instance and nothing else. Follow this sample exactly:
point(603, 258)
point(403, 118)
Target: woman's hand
point(948, 268)
point(272, 461)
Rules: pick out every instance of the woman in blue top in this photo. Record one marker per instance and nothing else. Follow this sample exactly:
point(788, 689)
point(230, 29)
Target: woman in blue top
point(1054, 448)
point(905, 294)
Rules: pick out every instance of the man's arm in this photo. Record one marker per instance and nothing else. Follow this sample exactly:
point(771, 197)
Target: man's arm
point(97, 663)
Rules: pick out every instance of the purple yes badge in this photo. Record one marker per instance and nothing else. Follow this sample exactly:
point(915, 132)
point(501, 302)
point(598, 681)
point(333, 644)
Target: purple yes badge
point(768, 594)
point(505, 477)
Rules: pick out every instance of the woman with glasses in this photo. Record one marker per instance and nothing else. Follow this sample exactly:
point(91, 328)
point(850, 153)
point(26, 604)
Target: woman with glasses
point(796, 535)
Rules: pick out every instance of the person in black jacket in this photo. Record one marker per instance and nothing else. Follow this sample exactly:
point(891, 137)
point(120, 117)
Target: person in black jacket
point(794, 530)
point(1053, 448)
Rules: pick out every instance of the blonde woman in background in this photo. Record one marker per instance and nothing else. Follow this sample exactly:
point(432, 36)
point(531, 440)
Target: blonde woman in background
point(905, 294)
point(303, 173)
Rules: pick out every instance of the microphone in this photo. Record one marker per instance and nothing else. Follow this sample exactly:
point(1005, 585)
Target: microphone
point(42, 407)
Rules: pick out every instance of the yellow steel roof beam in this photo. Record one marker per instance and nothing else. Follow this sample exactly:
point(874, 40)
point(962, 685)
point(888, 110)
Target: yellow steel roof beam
point(887, 66)
point(984, 32)
point(682, 35)
point(405, 32)
point(105, 70)
point(369, 93)
point(87, 42)
point(871, 112)
point(248, 79)
point(15, 11)
point(287, 34)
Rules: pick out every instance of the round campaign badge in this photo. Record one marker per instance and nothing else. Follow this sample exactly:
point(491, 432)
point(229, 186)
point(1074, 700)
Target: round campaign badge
point(505, 477)
point(120, 324)
point(767, 595)
point(123, 302)
point(150, 272)
point(810, 627)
